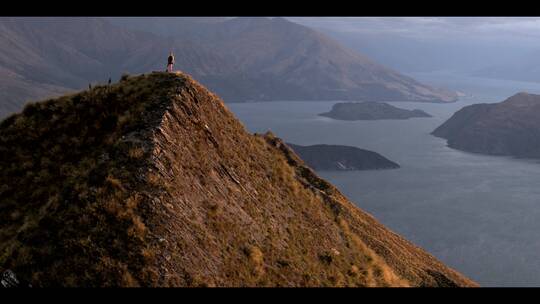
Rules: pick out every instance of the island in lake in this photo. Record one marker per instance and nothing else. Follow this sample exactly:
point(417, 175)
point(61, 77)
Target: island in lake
point(341, 158)
point(511, 127)
point(370, 111)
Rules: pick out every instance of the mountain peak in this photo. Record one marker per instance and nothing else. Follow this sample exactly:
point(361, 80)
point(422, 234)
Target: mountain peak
point(153, 182)
point(520, 95)
point(522, 98)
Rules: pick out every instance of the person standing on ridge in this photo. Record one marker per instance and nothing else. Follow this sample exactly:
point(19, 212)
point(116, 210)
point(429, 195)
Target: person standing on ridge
point(170, 63)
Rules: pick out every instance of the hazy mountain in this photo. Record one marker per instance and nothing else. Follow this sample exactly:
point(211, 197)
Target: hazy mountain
point(413, 45)
point(44, 56)
point(511, 127)
point(279, 59)
point(166, 26)
point(241, 59)
point(154, 182)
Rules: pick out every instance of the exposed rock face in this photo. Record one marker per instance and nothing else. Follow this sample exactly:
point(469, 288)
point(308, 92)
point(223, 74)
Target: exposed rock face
point(341, 158)
point(154, 182)
point(370, 111)
point(511, 127)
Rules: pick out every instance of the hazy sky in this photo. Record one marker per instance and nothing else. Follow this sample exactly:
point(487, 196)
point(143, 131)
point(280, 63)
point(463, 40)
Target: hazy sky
point(434, 27)
point(435, 43)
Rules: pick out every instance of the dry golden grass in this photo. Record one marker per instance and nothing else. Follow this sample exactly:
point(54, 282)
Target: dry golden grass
point(136, 153)
point(78, 174)
point(211, 205)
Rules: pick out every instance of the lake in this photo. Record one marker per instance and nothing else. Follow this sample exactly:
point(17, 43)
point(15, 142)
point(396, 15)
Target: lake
point(478, 214)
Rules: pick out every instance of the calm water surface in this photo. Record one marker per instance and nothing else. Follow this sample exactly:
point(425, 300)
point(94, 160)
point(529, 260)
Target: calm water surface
point(479, 214)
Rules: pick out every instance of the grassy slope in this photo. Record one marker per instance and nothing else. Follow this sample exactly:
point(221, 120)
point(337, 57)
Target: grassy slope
point(154, 182)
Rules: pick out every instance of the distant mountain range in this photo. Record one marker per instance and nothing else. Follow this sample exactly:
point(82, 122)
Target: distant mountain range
point(241, 59)
point(277, 59)
point(422, 50)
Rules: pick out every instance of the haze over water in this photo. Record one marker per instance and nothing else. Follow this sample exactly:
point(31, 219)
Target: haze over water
point(478, 214)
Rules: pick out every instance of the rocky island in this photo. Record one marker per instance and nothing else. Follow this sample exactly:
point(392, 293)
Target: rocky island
point(371, 111)
point(341, 158)
point(511, 127)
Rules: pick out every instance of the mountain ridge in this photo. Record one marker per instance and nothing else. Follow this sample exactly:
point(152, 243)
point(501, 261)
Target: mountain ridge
point(154, 182)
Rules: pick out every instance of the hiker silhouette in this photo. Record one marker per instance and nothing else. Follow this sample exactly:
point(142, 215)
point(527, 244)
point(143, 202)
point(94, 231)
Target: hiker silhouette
point(170, 62)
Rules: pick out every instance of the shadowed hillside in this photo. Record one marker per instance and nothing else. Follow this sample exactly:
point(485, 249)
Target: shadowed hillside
point(153, 182)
